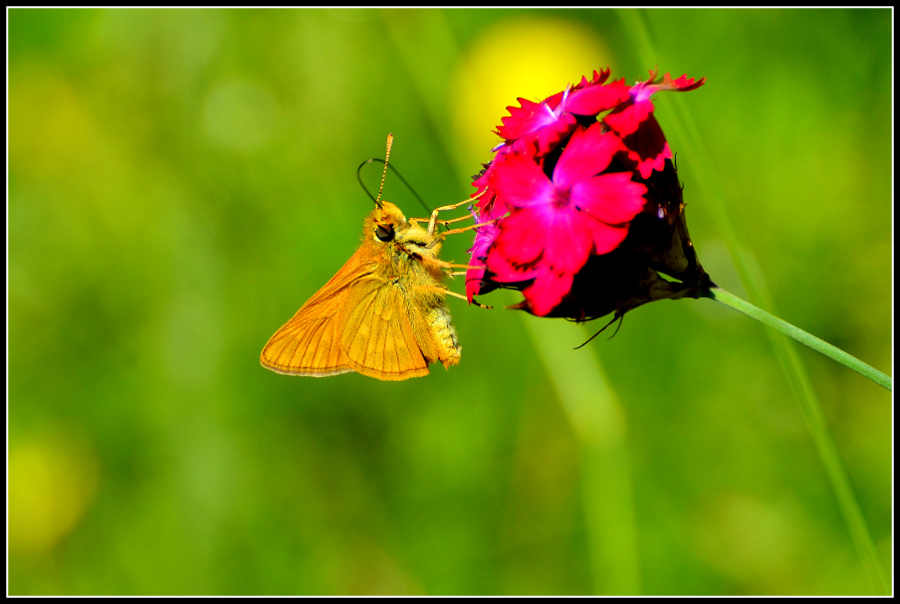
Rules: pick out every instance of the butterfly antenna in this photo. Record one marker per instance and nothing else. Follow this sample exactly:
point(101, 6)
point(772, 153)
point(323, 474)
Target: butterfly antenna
point(359, 177)
point(397, 173)
point(387, 156)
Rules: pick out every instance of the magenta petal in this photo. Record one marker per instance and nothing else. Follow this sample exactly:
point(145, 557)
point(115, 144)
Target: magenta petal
point(568, 242)
point(484, 237)
point(520, 182)
point(626, 120)
point(522, 120)
point(647, 146)
point(598, 78)
point(645, 167)
point(474, 277)
point(541, 124)
point(547, 291)
point(648, 140)
point(543, 140)
point(587, 154)
point(607, 238)
point(548, 138)
point(522, 237)
point(593, 99)
point(610, 198)
point(684, 83)
point(504, 270)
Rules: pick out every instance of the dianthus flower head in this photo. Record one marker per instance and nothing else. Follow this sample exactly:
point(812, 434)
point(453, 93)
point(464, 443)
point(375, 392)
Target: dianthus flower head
point(583, 210)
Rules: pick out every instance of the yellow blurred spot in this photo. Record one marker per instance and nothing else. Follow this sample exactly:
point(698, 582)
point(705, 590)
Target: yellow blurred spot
point(60, 137)
point(48, 124)
point(52, 479)
point(531, 58)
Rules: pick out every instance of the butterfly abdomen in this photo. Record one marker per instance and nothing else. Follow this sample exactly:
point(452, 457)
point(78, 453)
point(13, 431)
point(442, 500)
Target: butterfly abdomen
point(444, 335)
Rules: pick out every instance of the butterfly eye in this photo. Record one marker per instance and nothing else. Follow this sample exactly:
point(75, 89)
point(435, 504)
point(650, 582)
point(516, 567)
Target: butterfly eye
point(384, 233)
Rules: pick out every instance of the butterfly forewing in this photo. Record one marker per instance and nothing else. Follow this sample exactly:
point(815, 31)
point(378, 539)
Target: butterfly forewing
point(309, 344)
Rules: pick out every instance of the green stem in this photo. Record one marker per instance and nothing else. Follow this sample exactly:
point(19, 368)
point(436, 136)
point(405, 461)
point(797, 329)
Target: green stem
point(730, 300)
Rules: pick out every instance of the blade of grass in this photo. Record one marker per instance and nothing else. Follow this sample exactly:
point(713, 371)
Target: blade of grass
point(791, 365)
point(599, 425)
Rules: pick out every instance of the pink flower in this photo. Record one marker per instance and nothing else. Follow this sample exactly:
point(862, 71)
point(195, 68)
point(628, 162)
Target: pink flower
point(566, 185)
point(559, 222)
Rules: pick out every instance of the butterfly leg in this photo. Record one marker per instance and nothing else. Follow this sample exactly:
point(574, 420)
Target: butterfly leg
point(468, 228)
point(433, 221)
point(444, 264)
point(475, 302)
point(452, 220)
point(441, 222)
point(447, 292)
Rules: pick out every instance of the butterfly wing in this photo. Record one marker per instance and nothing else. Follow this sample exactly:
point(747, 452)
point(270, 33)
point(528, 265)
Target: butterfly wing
point(309, 344)
point(378, 336)
point(358, 321)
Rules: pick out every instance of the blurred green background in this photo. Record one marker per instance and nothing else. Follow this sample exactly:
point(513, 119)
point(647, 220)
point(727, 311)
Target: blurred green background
point(181, 181)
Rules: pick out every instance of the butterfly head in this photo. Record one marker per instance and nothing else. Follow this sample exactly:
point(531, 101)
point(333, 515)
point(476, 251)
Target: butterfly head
point(384, 222)
point(387, 226)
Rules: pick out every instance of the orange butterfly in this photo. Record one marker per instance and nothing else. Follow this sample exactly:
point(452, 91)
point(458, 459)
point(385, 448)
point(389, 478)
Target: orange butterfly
point(384, 313)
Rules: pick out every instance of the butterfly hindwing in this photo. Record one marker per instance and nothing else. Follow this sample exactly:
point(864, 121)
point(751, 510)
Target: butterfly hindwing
point(378, 338)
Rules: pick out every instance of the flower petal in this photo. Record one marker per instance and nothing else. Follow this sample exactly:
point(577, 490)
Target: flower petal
point(474, 280)
point(610, 198)
point(524, 119)
point(547, 291)
point(626, 118)
point(544, 140)
point(568, 240)
point(504, 270)
point(487, 205)
point(606, 238)
point(647, 147)
point(520, 182)
point(587, 154)
point(522, 238)
point(593, 99)
point(536, 128)
point(682, 84)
